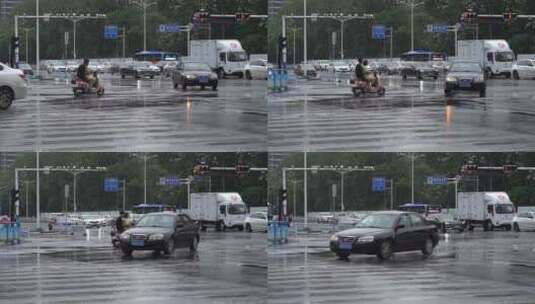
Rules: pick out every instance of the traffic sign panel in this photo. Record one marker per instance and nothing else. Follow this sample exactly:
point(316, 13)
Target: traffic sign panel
point(378, 32)
point(378, 184)
point(111, 184)
point(437, 180)
point(111, 32)
point(169, 28)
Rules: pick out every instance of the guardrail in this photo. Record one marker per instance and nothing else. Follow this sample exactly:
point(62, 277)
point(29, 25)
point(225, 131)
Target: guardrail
point(278, 80)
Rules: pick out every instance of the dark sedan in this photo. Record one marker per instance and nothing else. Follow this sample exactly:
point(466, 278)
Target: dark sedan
point(161, 232)
point(465, 76)
point(384, 233)
point(194, 74)
point(420, 70)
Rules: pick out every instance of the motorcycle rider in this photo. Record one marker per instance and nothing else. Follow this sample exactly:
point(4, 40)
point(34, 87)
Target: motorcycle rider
point(359, 71)
point(85, 74)
point(371, 77)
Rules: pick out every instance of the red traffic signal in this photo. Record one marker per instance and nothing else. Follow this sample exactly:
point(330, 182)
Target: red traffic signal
point(469, 16)
point(509, 17)
point(509, 169)
point(241, 17)
point(469, 169)
point(200, 169)
point(201, 16)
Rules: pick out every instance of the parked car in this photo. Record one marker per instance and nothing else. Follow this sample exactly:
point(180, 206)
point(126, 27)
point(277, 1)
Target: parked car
point(139, 69)
point(162, 231)
point(524, 221)
point(326, 218)
point(256, 221)
point(420, 70)
point(339, 67)
point(465, 76)
point(256, 69)
point(305, 70)
point(524, 69)
point(383, 233)
point(194, 74)
point(13, 85)
point(169, 68)
point(94, 221)
point(446, 222)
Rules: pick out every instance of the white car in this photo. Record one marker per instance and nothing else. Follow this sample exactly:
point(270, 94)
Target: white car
point(523, 69)
point(13, 85)
point(256, 69)
point(256, 221)
point(94, 221)
point(524, 221)
point(340, 68)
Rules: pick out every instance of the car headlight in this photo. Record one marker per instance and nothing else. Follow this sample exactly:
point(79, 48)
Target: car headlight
point(365, 239)
point(156, 237)
point(191, 76)
point(479, 79)
point(125, 235)
point(213, 76)
point(334, 238)
point(451, 79)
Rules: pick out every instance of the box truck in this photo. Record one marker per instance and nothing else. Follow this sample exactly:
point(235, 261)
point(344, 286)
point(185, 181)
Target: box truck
point(221, 210)
point(487, 209)
point(495, 56)
point(224, 57)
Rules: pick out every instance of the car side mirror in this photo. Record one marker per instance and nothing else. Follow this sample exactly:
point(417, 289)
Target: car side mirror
point(400, 227)
point(180, 225)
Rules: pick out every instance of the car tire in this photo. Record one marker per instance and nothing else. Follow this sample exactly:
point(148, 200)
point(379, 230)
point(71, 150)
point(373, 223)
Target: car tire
point(218, 227)
point(385, 250)
point(194, 245)
point(404, 76)
point(175, 85)
point(516, 76)
point(508, 76)
point(123, 76)
point(6, 98)
point(151, 76)
point(202, 88)
point(248, 227)
point(508, 227)
point(203, 228)
point(356, 93)
point(343, 255)
point(427, 249)
point(381, 92)
point(248, 75)
point(169, 246)
point(127, 252)
point(240, 228)
point(443, 228)
point(516, 227)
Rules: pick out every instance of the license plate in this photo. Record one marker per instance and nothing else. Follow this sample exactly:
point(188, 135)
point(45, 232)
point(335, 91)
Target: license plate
point(203, 79)
point(138, 243)
point(465, 83)
point(344, 245)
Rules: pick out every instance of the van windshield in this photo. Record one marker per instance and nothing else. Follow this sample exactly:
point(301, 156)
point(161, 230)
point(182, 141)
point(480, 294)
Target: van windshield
point(505, 57)
point(504, 209)
point(236, 209)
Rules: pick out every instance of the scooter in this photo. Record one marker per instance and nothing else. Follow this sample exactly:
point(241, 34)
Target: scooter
point(81, 87)
point(361, 88)
point(115, 239)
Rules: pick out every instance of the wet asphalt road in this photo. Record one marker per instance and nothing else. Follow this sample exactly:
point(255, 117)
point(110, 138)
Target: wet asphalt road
point(476, 267)
point(230, 267)
point(322, 115)
point(138, 115)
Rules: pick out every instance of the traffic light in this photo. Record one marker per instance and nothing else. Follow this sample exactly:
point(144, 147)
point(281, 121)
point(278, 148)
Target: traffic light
point(283, 42)
point(242, 17)
point(469, 16)
point(201, 16)
point(242, 169)
point(469, 169)
point(15, 195)
point(509, 169)
point(201, 169)
point(15, 42)
point(509, 17)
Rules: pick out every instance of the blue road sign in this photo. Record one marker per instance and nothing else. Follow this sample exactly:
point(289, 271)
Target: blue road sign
point(437, 28)
point(437, 180)
point(111, 32)
point(111, 184)
point(170, 181)
point(378, 184)
point(169, 28)
point(378, 32)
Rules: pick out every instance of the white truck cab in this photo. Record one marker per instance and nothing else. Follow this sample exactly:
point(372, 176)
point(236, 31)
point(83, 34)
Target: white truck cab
point(487, 209)
point(494, 55)
point(224, 56)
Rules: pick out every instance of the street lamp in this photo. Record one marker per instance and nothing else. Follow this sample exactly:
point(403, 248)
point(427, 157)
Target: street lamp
point(144, 5)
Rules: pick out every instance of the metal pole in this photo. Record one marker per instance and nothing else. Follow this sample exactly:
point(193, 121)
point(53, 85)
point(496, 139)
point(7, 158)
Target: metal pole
point(26, 45)
point(145, 178)
point(391, 194)
point(295, 197)
point(456, 202)
point(283, 178)
point(391, 43)
point(305, 57)
point(412, 25)
point(74, 192)
point(284, 50)
point(305, 185)
point(342, 41)
point(189, 195)
point(37, 194)
point(124, 42)
point(188, 38)
point(37, 61)
point(26, 197)
point(293, 48)
point(456, 43)
point(16, 34)
point(145, 26)
point(16, 189)
point(210, 183)
point(412, 178)
point(342, 191)
point(74, 39)
point(124, 194)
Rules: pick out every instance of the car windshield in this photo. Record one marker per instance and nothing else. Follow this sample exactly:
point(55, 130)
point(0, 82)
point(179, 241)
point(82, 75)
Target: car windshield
point(466, 67)
point(505, 57)
point(196, 67)
point(377, 221)
point(144, 210)
point(504, 209)
point(237, 56)
point(157, 220)
point(236, 209)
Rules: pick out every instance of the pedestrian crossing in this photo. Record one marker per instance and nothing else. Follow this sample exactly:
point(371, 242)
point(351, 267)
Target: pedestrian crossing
point(152, 117)
point(95, 273)
point(330, 119)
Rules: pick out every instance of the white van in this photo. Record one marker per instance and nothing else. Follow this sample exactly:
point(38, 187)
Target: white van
point(221, 210)
point(223, 56)
point(494, 55)
point(487, 209)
